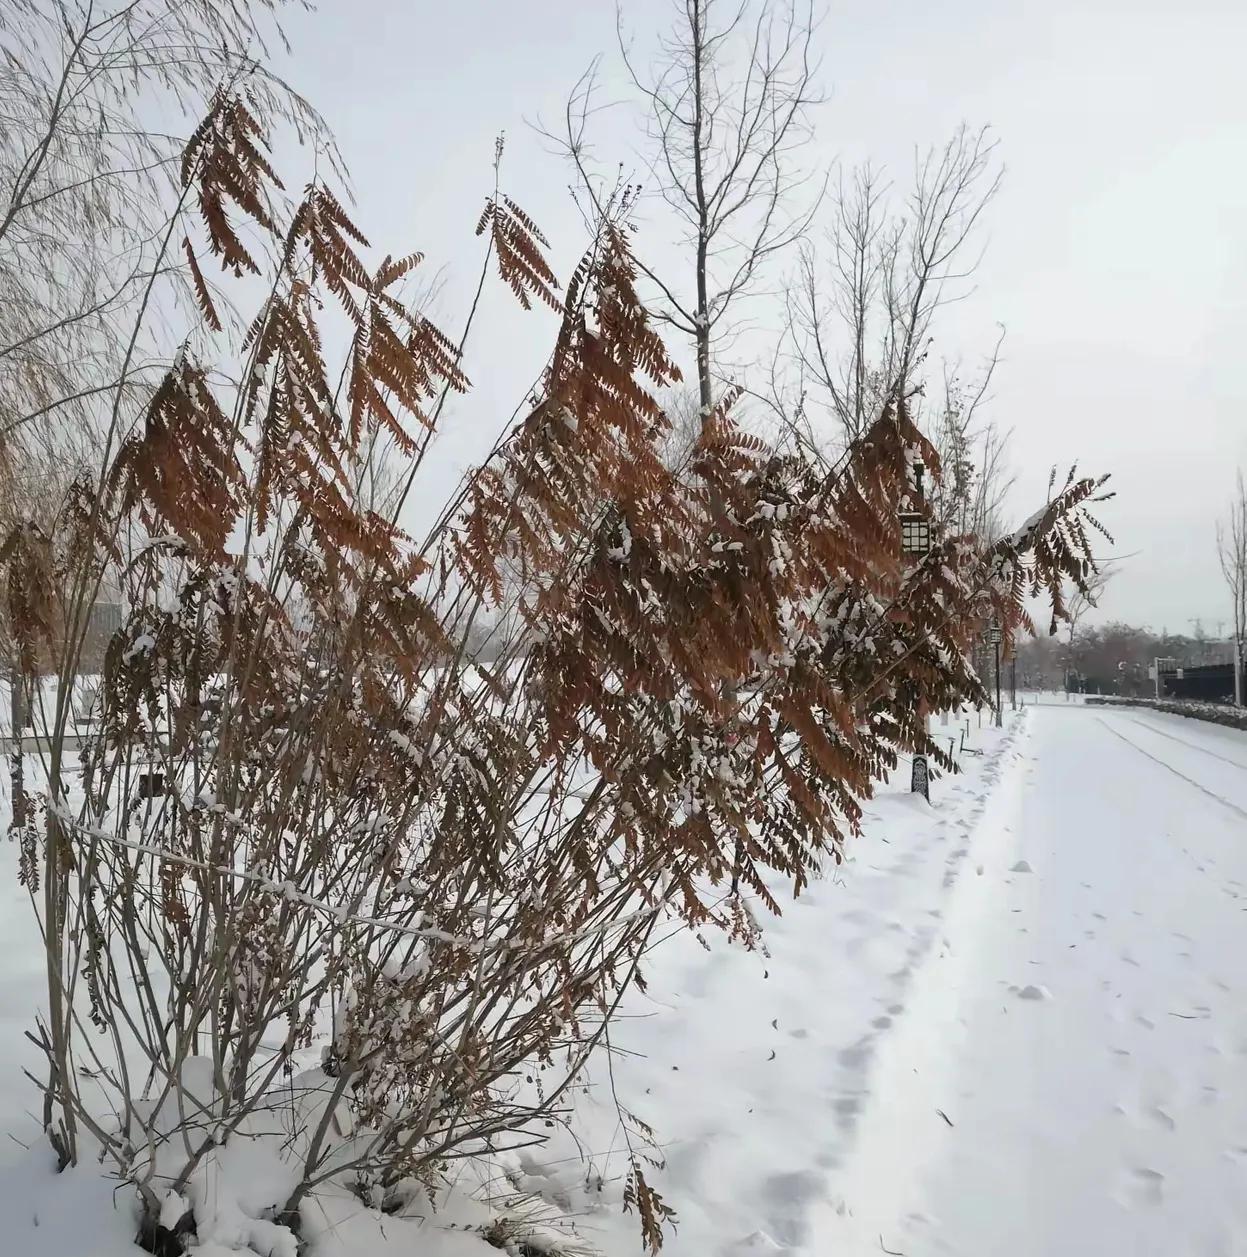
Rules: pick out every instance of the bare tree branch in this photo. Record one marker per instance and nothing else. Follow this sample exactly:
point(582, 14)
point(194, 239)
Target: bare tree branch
point(727, 97)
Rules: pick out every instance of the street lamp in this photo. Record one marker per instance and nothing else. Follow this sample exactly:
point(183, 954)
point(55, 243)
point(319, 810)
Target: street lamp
point(915, 544)
point(994, 636)
point(915, 527)
point(915, 534)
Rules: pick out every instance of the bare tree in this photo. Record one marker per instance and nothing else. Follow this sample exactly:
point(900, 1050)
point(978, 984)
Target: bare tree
point(91, 266)
point(834, 314)
point(863, 302)
point(728, 96)
point(973, 451)
point(1082, 600)
point(1232, 551)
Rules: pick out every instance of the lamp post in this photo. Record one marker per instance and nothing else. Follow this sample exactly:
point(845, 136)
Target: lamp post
point(994, 636)
point(915, 526)
point(17, 726)
point(915, 544)
point(1238, 672)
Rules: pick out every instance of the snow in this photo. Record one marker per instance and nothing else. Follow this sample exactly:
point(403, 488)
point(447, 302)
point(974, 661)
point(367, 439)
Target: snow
point(172, 1208)
point(222, 1223)
point(1216, 713)
point(756, 1069)
point(1109, 1117)
point(142, 644)
point(1011, 1022)
point(930, 1062)
point(1021, 535)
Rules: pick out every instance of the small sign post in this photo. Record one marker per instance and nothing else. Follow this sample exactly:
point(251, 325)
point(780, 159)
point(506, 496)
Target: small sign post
point(919, 782)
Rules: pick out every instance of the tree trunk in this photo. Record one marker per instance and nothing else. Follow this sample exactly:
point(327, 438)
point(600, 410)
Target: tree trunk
point(704, 390)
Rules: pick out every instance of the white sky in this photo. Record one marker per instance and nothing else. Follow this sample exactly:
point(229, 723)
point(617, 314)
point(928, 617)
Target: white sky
point(1116, 251)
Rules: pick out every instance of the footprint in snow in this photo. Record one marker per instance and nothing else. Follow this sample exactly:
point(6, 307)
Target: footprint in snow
point(754, 1245)
point(789, 1197)
point(847, 1110)
point(1145, 1185)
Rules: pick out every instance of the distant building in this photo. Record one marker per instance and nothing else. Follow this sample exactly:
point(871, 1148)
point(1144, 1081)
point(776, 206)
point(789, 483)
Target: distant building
point(1209, 683)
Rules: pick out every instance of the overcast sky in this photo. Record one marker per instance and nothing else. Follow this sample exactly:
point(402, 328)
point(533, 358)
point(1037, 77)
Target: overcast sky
point(1116, 251)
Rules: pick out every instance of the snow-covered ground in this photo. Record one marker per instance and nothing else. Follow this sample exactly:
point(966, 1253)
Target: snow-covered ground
point(1011, 1023)
point(1107, 1116)
point(759, 1071)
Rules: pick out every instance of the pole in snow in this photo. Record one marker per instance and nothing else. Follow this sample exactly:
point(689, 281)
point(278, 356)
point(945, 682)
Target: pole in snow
point(994, 636)
point(997, 683)
point(17, 781)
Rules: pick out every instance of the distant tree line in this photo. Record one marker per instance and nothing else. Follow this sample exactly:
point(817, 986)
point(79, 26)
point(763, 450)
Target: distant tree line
point(1112, 658)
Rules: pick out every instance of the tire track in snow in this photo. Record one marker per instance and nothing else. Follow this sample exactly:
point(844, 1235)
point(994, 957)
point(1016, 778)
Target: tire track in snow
point(1190, 781)
point(1194, 746)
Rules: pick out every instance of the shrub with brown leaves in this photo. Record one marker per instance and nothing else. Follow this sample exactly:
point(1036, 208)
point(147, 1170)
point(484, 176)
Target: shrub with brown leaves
point(447, 872)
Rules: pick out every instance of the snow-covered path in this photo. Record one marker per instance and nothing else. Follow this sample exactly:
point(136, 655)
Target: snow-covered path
point(1095, 1027)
